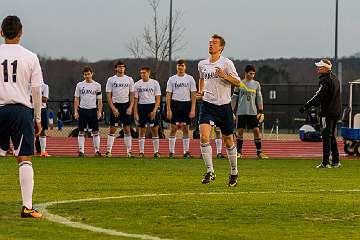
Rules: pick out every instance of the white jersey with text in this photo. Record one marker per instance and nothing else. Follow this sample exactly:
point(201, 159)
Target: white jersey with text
point(19, 71)
point(88, 94)
point(120, 88)
point(181, 87)
point(146, 91)
point(216, 90)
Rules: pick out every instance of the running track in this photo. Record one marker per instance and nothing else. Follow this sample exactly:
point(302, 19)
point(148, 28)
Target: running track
point(61, 146)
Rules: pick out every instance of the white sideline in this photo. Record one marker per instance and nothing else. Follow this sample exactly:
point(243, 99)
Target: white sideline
point(58, 219)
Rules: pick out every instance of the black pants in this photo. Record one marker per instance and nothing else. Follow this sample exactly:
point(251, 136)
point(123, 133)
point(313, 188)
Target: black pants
point(329, 140)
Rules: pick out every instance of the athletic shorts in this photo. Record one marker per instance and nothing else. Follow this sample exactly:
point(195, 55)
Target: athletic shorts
point(88, 119)
point(123, 119)
point(180, 112)
point(144, 119)
point(247, 121)
point(44, 119)
point(16, 123)
point(217, 115)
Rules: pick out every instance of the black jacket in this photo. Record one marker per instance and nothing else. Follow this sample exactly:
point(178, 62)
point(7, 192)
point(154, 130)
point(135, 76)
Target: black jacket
point(327, 96)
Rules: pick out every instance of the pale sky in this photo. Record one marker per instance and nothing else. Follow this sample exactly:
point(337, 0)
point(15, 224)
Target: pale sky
point(253, 29)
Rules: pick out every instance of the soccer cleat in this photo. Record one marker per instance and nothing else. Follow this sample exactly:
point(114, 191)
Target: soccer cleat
point(210, 176)
point(238, 155)
point(130, 155)
point(187, 155)
point(220, 155)
point(156, 155)
point(141, 155)
point(98, 154)
point(262, 156)
point(81, 154)
point(30, 213)
point(108, 154)
point(45, 154)
point(232, 180)
point(336, 165)
point(171, 155)
point(323, 166)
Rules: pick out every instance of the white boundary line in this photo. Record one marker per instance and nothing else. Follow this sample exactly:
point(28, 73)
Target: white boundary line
point(62, 220)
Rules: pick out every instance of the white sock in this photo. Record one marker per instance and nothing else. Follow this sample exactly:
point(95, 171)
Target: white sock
point(96, 142)
point(231, 153)
point(156, 144)
point(110, 142)
point(141, 144)
point(81, 142)
point(186, 143)
point(218, 142)
point(206, 152)
point(172, 141)
point(43, 143)
point(128, 142)
point(26, 176)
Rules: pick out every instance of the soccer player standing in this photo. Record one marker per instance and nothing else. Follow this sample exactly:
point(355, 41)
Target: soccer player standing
point(217, 75)
point(120, 96)
point(88, 109)
point(147, 101)
point(249, 108)
point(20, 77)
point(180, 102)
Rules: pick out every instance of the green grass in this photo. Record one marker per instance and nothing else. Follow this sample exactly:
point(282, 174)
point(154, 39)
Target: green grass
point(284, 200)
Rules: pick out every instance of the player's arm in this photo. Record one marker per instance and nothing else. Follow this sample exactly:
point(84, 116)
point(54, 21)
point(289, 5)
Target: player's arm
point(193, 104)
point(76, 108)
point(131, 106)
point(136, 115)
point(36, 98)
point(229, 78)
point(111, 104)
point(168, 105)
point(318, 96)
point(99, 104)
point(260, 105)
point(157, 105)
point(200, 91)
point(45, 96)
point(235, 99)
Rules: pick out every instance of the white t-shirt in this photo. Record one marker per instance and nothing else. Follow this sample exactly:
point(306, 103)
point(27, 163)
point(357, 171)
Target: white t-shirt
point(19, 71)
point(88, 94)
point(44, 93)
point(120, 88)
point(146, 92)
point(181, 87)
point(216, 90)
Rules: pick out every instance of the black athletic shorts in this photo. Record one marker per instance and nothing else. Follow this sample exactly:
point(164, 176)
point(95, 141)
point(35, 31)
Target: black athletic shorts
point(123, 119)
point(180, 112)
point(247, 121)
point(88, 119)
point(144, 119)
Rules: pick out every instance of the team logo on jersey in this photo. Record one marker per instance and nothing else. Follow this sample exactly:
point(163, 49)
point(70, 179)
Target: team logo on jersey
point(181, 85)
point(121, 85)
point(84, 91)
point(150, 90)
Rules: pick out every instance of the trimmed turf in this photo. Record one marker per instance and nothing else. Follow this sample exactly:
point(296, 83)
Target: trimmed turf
point(287, 199)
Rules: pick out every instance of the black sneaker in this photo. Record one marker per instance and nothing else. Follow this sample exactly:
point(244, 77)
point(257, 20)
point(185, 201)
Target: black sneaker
point(130, 155)
point(81, 154)
point(210, 176)
point(232, 180)
point(98, 154)
point(171, 155)
point(156, 155)
point(30, 213)
point(336, 165)
point(141, 155)
point(187, 155)
point(323, 166)
point(220, 155)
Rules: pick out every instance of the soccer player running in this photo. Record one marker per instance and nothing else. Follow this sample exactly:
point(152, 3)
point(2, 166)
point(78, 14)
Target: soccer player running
point(217, 75)
point(120, 96)
point(20, 77)
point(249, 108)
point(180, 102)
point(88, 109)
point(147, 101)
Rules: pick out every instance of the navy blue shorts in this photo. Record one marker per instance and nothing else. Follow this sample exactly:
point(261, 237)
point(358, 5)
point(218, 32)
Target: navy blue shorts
point(88, 119)
point(217, 115)
point(123, 118)
point(180, 112)
point(247, 121)
point(44, 118)
point(16, 122)
point(144, 119)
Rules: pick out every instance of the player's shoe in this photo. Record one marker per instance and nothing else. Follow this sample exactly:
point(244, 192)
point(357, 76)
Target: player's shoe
point(30, 213)
point(130, 155)
point(232, 180)
point(10, 152)
point(323, 166)
point(45, 154)
point(187, 155)
point(156, 155)
point(98, 154)
point(81, 154)
point(208, 177)
point(238, 155)
point(262, 156)
point(171, 155)
point(141, 155)
point(336, 165)
point(220, 155)
point(108, 154)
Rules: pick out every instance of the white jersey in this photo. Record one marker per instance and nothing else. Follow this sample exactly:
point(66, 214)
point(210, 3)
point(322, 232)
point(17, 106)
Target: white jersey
point(216, 90)
point(88, 93)
point(44, 93)
point(120, 88)
point(146, 92)
point(19, 71)
point(181, 87)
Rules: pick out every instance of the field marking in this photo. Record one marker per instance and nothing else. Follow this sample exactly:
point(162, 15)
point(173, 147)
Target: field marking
point(62, 220)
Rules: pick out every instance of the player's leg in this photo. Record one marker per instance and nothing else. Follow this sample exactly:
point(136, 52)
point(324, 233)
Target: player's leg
point(218, 143)
point(241, 125)
point(172, 140)
point(335, 161)
point(254, 124)
point(326, 136)
point(82, 123)
point(186, 140)
point(94, 125)
point(128, 141)
point(155, 140)
point(142, 132)
point(143, 111)
point(114, 122)
point(42, 138)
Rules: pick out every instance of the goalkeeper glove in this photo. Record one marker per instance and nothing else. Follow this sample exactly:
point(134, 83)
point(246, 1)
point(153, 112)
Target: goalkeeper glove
point(260, 116)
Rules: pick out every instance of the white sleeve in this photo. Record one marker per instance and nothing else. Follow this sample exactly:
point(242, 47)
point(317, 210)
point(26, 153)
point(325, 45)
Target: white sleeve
point(169, 86)
point(230, 69)
point(157, 89)
point(108, 87)
point(192, 84)
point(36, 74)
point(98, 92)
point(201, 74)
point(136, 91)
point(45, 92)
point(132, 85)
point(77, 91)
point(36, 98)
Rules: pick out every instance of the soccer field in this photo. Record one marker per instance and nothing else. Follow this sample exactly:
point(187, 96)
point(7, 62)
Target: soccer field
point(164, 199)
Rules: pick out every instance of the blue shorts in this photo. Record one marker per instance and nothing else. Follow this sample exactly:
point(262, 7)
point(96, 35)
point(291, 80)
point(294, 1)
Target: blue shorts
point(88, 119)
point(180, 112)
point(16, 123)
point(144, 119)
point(217, 115)
point(123, 118)
point(247, 121)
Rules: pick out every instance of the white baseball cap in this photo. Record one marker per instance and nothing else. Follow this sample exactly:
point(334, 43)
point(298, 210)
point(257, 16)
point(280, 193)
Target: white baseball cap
point(323, 64)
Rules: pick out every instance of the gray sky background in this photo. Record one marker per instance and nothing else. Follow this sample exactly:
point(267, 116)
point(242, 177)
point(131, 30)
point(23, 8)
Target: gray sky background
point(253, 29)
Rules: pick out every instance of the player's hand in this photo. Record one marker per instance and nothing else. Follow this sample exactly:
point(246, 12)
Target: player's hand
point(115, 112)
point(152, 115)
point(260, 117)
point(169, 115)
point(136, 116)
point(199, 95)
point(192, 114)
point(302, 109)
point(234, 117)
point(220, 72)
point(76, 115)
point(129, 111)
point(99, 115)
point(38, 128)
